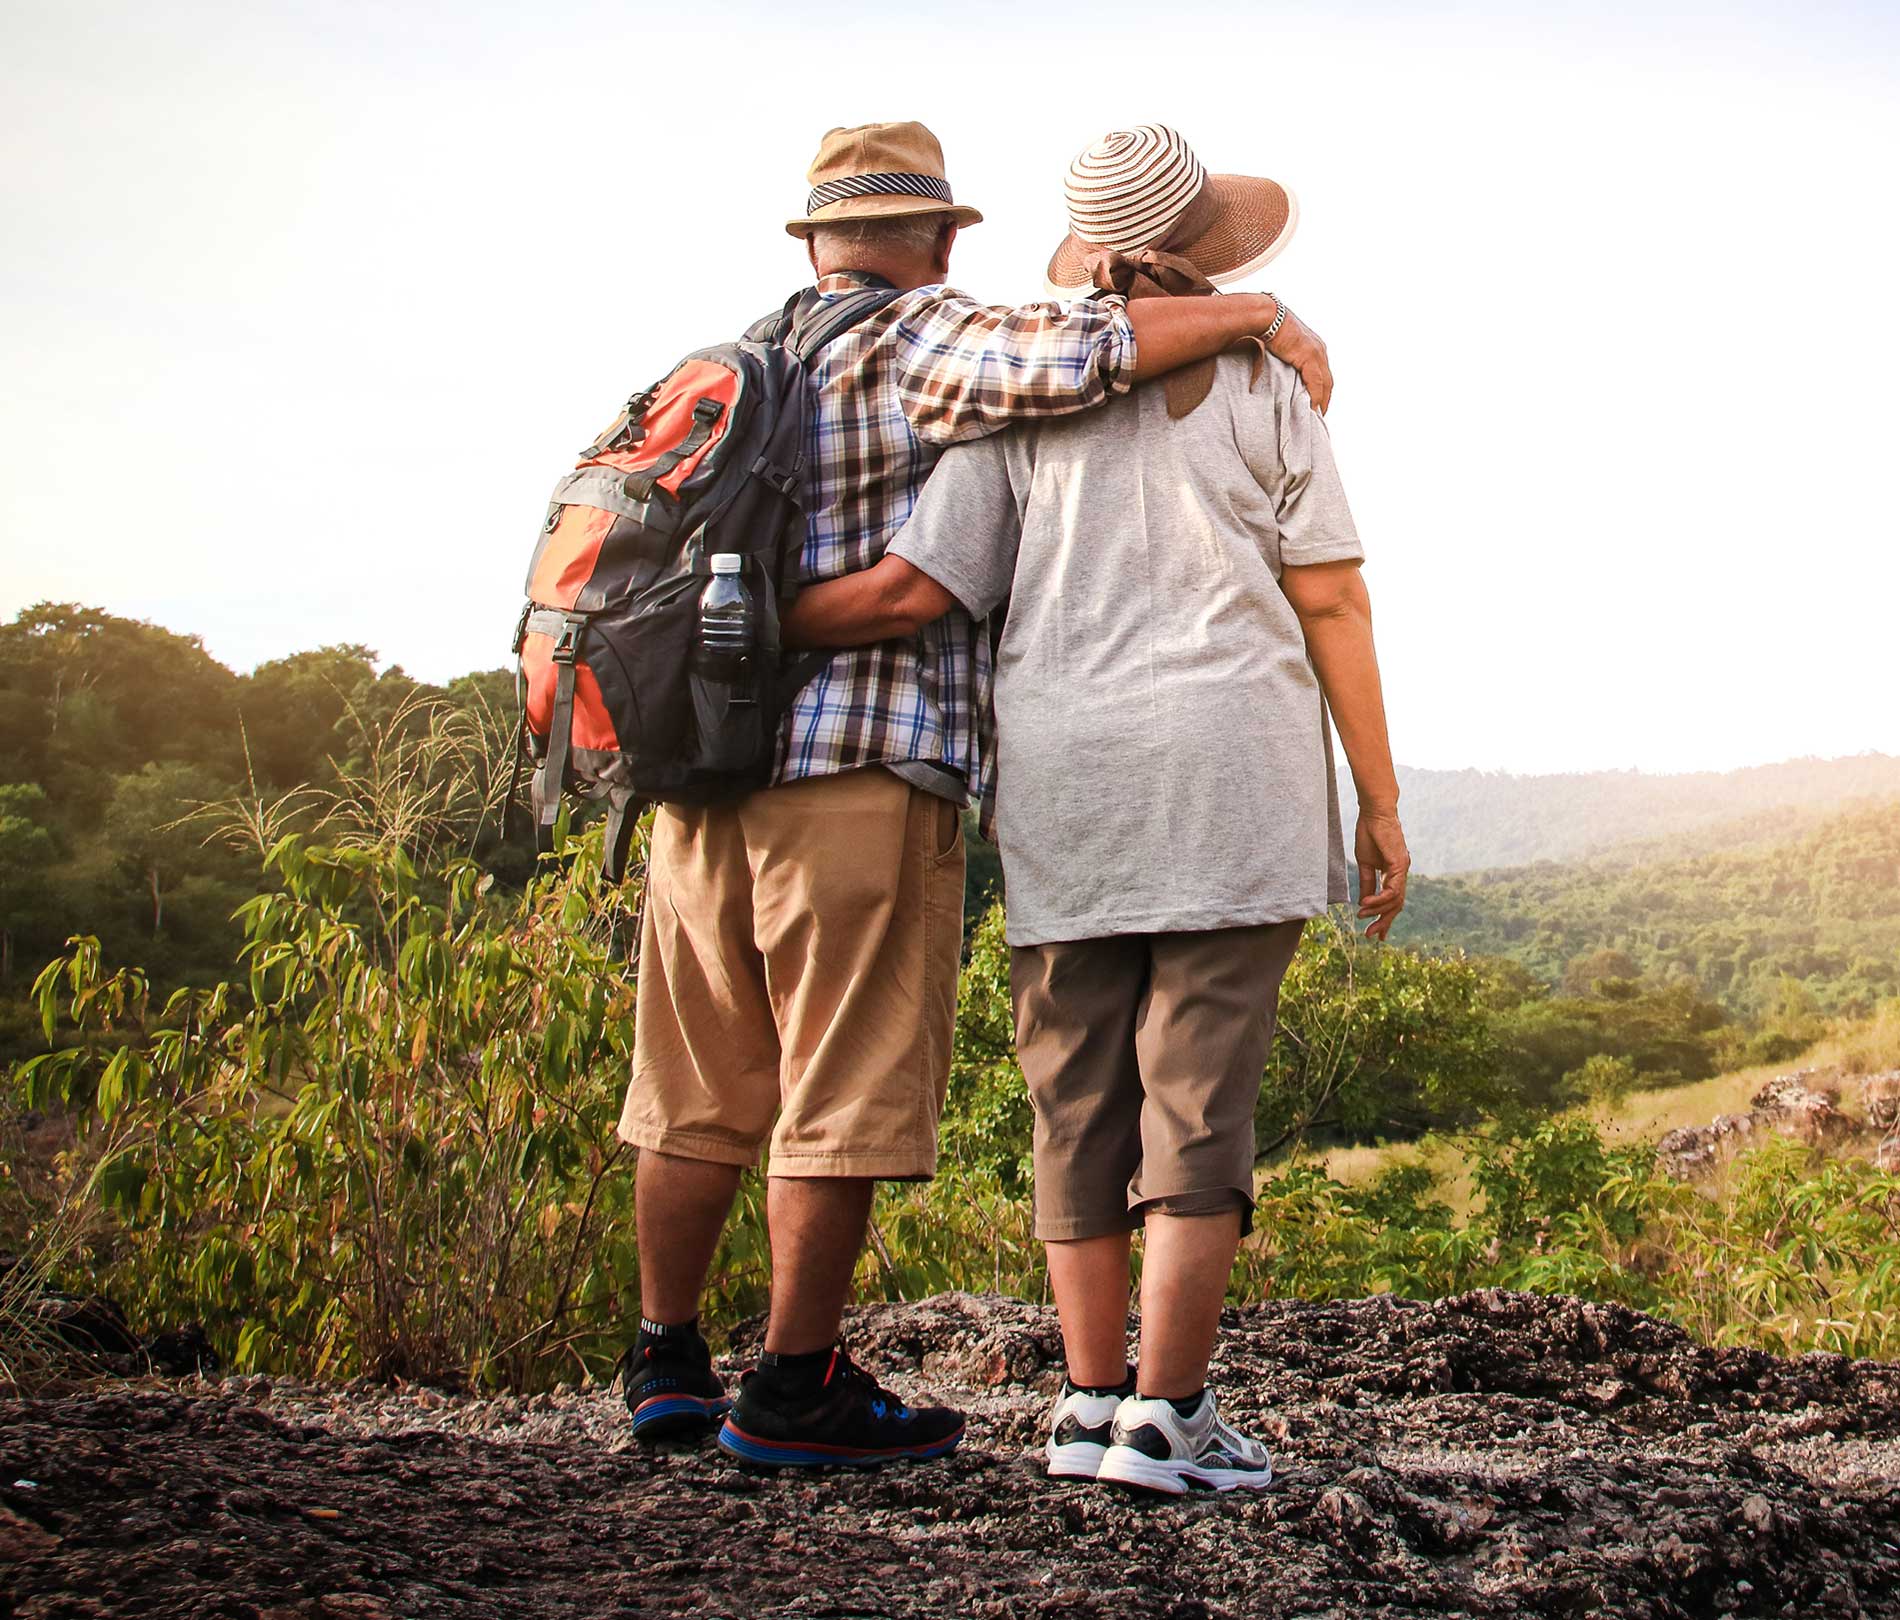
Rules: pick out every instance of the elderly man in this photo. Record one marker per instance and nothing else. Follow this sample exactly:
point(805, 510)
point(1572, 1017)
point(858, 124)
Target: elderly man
point(798, 962)
point(1185, 602)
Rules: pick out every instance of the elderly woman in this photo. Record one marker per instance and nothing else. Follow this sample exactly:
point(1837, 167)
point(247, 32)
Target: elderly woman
point(1183, 605)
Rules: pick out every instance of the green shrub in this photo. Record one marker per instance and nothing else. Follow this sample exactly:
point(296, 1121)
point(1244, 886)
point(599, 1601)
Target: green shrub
point(1375, 1041)
point(391, 1148)
point(987, 1120)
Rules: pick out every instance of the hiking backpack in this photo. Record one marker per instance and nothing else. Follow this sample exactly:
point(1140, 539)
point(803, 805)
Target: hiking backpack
point(709, 460)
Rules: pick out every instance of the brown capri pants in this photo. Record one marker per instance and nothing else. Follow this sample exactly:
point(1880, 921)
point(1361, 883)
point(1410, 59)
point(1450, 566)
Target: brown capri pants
point(798, 959)
point(1144, 1055)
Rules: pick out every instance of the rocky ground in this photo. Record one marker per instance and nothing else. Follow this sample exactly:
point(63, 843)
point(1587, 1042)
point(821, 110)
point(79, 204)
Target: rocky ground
point(1497, 1454)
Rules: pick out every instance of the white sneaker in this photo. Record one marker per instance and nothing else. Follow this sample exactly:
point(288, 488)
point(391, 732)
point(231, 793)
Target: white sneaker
point(1079, 1431)
point(1153, 1446)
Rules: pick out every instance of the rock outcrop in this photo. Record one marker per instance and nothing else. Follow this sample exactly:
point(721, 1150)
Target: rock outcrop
point(1880, 1100)
point(1805, 1105)
point(1492, 1455)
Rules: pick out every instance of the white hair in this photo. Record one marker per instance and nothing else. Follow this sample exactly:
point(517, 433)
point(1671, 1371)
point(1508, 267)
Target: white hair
point(848, 244)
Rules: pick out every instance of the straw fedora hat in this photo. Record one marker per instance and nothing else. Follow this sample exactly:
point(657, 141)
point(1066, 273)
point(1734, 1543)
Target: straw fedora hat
point(1144, 187)
point(878, 171)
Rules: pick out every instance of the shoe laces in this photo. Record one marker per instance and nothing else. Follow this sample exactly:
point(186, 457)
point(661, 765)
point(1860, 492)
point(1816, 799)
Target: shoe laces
point(1234, 1440)
point(845, 1373)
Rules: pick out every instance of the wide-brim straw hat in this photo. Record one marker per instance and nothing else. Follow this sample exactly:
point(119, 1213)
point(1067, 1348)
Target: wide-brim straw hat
point(878, 171)
point(1144, 187)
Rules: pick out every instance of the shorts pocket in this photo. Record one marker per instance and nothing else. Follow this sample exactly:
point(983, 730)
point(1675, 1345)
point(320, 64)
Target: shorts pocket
point(948, 839)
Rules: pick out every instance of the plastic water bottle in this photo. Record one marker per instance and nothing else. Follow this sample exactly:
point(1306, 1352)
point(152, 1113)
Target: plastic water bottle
point(728, 626)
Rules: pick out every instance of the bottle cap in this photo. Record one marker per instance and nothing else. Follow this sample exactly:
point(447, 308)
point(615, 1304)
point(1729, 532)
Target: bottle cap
point(727, 562)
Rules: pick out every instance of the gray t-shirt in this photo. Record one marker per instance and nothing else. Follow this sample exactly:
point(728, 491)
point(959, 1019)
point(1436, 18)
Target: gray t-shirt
point(1165, 761)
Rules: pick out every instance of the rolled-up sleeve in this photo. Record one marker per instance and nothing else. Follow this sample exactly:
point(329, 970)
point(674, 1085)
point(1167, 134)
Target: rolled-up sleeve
point(970, 369)
point(1290, 451)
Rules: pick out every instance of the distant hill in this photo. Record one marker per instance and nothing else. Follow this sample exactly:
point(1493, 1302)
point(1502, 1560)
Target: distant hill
point(1460, 821)
point(1818, 903)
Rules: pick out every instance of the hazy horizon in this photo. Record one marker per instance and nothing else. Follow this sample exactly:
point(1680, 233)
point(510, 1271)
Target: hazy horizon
point(306, 307)
point(1405, 766)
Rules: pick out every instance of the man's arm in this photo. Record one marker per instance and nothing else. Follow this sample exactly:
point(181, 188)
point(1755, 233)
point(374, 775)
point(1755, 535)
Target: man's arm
point(958, 548)
point(1174, 332)
point(965, 370)
point(890, 598)
point(1336, 614)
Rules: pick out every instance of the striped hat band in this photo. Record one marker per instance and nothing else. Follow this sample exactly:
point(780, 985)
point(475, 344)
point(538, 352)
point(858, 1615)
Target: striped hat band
point(879, 185)
point(1131, 186)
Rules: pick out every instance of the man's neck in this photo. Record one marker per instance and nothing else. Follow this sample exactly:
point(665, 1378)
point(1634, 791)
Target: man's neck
point(902, 276)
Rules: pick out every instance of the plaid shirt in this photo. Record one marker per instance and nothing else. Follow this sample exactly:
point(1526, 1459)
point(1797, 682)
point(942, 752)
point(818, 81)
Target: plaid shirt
point(930, 370)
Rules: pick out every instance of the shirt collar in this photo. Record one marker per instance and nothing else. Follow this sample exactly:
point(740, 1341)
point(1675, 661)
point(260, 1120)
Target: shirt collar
point(840, 281)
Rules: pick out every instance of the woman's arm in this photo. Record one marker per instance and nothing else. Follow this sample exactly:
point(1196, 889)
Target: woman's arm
point(891, 598)
point(1336, 613)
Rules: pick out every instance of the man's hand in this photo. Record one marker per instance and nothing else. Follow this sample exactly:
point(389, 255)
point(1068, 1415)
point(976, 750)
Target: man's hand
point(1384, 860)
point(1305, 351)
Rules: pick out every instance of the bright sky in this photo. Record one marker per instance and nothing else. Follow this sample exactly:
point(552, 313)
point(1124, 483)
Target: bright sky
point(304, 307)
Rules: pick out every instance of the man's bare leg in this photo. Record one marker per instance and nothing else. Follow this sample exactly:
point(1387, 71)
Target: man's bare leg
point(817, 1227)
point(1089, 1277)
point(680, 1206)
point(1186, 1262)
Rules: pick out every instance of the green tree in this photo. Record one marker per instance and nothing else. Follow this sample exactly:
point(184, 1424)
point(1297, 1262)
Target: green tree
point(1601, 1079)
point(27, 849)
point(152, 823)
point(87, 695)
point(1586, 975)
point(293, 708)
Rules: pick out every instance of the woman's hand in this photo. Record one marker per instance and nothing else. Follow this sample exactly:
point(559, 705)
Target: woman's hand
point(1379, 846)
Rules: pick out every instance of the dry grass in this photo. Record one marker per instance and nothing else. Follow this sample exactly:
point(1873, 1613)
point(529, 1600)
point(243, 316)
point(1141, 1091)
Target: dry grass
point(1444, 1156)
point(1643, 1116)
point(32, 1354)
point(1863, 1048)
point(1866, 1047)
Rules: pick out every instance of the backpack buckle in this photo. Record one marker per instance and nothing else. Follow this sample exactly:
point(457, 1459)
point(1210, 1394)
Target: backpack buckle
point(785, 480)
point(568, 645)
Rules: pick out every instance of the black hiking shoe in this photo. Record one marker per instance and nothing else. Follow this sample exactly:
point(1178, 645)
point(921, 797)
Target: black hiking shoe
point(671, 1389)
point(848, 1420)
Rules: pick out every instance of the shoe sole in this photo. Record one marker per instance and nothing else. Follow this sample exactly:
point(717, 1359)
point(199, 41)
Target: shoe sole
point(1123, 1465)
point(1077, 1460)
point(809, 1454)
point(676, 1417)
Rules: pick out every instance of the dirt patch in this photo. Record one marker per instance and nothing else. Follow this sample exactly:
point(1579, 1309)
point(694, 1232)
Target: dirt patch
point(1496, 1455)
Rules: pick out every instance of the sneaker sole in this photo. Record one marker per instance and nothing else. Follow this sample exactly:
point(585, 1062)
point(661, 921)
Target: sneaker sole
point(809, 1454)
point(1123, 1465)
point(1077, 1460)
point(676, 1417)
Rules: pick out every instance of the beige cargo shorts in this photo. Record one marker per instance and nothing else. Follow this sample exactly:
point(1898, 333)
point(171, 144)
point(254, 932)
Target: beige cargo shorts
point(798, 979)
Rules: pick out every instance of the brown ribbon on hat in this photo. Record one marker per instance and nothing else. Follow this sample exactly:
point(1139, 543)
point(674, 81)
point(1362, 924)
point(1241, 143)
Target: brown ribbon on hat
point(1154, 272)
point(1147, 273)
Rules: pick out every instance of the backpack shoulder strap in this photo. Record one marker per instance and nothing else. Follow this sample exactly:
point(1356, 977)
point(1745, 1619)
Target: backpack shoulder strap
point(832, 320)
point(773, 328)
